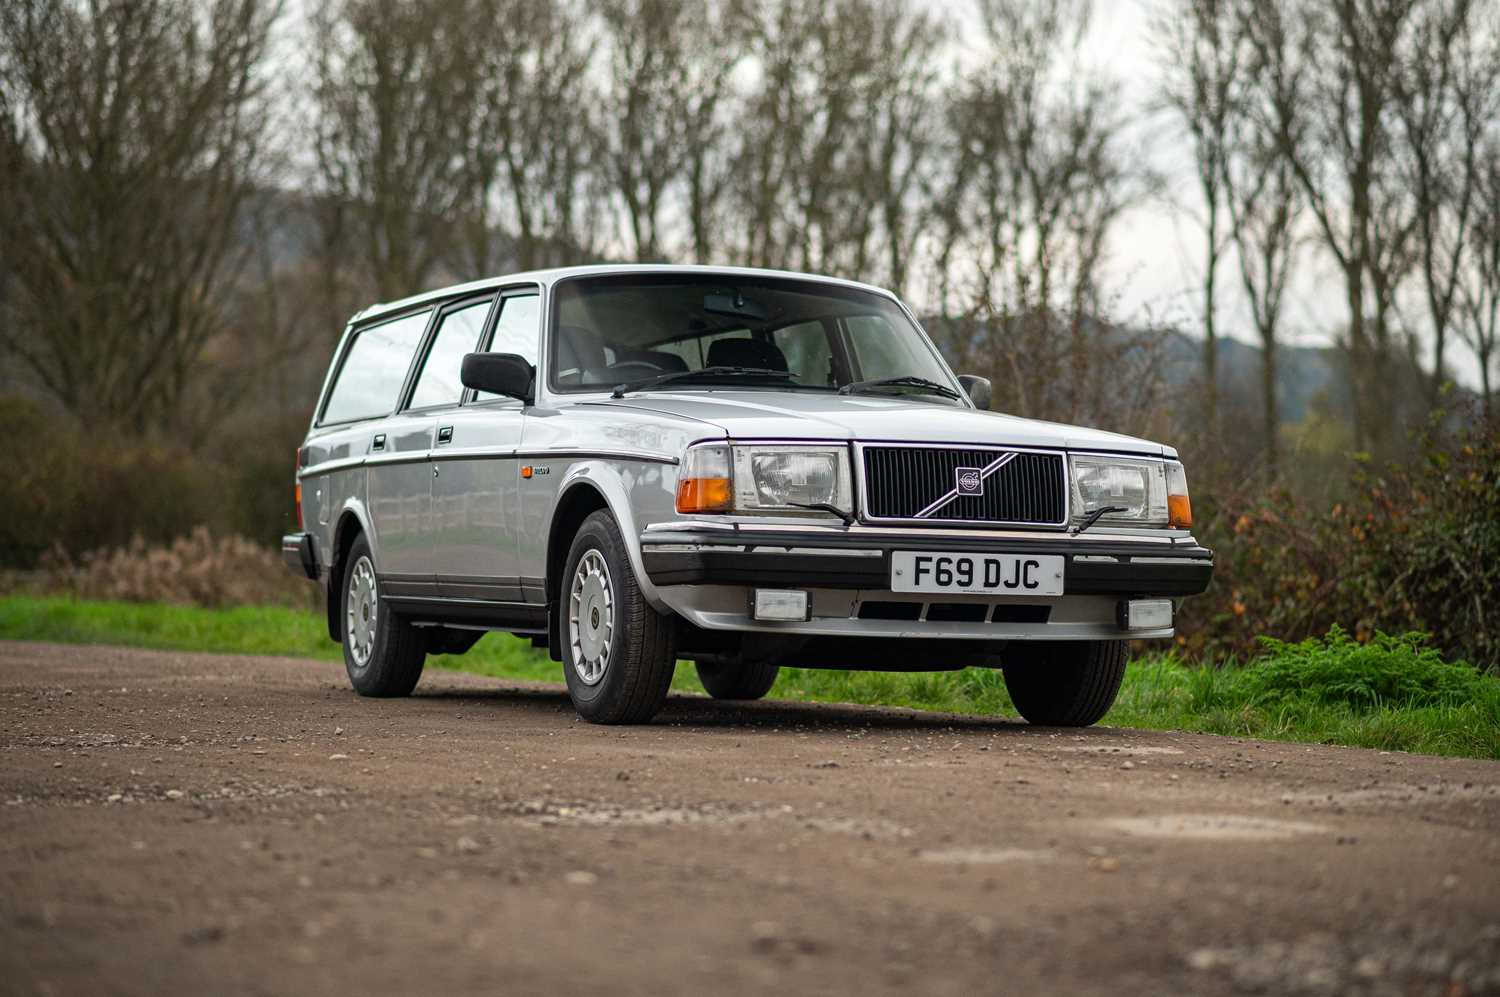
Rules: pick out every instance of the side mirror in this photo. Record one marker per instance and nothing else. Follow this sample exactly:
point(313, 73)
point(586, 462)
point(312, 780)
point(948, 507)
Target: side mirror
point(978, 389)
point(498, 373)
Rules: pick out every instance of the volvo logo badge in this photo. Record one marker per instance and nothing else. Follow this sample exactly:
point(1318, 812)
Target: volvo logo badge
point(968, 482)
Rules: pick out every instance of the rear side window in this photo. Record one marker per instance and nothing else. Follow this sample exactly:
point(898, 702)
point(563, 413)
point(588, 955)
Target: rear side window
point(374, 369)
point(457, 334)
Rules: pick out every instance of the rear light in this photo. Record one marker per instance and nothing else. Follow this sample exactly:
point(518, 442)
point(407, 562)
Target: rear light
point(704, 483)
point(301, 463)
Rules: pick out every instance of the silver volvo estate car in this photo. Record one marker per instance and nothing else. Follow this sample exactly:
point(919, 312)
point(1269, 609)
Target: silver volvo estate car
point(742, 468)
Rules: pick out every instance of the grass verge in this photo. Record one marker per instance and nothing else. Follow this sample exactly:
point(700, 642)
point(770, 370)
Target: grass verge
point(1393, 693)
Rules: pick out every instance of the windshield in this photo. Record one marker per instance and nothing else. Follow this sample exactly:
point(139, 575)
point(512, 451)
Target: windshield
point(629, 328)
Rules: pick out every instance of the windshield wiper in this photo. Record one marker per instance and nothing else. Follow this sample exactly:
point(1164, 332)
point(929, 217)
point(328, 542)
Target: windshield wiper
point(710, 372)
point(847, 517)
point(906, 381)
point(1095, 515)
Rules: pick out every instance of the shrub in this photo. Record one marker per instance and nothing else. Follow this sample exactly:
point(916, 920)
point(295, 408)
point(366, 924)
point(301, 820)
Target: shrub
point(84, 490)
point(1415, 548)
point(1402, 671)
point(198, 569)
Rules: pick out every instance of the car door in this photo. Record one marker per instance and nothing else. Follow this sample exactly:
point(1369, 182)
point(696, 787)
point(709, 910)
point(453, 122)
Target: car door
point(398, 494)
point(475, 493)
point(431, 397)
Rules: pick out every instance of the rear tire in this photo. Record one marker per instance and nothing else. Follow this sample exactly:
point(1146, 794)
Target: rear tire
point(383, 654)
point(618, 653)
point(738, 681)
point(1064, 684)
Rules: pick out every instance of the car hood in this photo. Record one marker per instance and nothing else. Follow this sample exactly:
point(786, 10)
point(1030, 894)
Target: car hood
point(740, 414)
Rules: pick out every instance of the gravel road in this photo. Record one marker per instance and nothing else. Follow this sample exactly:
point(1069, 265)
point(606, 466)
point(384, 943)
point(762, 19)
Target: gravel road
point(190, 824)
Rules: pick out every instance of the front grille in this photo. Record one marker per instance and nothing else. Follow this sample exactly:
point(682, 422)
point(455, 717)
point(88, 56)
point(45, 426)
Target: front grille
point(921, 483)
point(890, 611)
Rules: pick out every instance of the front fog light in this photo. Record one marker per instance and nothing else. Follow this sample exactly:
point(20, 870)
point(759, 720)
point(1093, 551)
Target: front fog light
point(779, 604)
point(1145, 614)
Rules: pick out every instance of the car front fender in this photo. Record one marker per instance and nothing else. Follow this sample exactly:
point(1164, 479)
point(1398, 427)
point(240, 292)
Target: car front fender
point(625, 486)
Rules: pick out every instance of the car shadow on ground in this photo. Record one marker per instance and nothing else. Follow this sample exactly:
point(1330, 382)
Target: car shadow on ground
point(701, 712)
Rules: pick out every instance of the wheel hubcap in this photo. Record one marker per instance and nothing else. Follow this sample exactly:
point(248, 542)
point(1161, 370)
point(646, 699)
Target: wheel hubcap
point(361, 610)
point(591, 617)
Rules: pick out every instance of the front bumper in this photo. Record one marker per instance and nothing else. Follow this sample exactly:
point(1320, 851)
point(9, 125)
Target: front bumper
point(707, 572)
point(855, 559)
point(300, 553)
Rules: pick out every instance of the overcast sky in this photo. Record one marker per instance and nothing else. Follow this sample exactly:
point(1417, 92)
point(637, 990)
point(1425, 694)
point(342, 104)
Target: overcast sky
point(1157, 255)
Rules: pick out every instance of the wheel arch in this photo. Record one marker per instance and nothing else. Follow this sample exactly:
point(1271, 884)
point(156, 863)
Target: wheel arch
point(351, 524)
point(589, 487)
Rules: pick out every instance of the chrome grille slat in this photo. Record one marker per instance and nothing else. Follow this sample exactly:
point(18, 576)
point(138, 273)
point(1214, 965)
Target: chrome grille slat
point(902, 481)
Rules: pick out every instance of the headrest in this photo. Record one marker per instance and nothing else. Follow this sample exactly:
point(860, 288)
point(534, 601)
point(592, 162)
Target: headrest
point(746, 353)
point(578, 348)
point(668, 362)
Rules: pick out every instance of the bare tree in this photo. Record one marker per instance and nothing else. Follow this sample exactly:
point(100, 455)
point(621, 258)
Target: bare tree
point(129, 146)
point(1261, 192)
point(394, 81)
point(832, 150)
point(1341, 146)
point(668, 67)
point(536, 131)
point(894, 141)
point(1203, 63)
point(1449, 93)
point(795, 128)
point(1480, 288)
point(1036, 182)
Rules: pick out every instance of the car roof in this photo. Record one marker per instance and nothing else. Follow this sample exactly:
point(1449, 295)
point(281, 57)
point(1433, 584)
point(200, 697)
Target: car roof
point(551, 276)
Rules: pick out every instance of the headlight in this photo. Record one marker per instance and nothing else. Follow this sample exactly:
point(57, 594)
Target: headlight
point(785, 478)
point(1136, 489)
point(763, 478)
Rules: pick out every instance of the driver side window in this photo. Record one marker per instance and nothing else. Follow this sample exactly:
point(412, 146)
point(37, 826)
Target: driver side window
point(517, 330)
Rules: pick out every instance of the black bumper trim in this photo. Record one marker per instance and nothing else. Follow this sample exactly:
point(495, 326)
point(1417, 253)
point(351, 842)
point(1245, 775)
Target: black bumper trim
point(737, 559)
point(300, 555)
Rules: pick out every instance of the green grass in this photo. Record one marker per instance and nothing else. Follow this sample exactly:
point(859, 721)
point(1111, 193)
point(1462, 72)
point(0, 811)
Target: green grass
point(1393, 693)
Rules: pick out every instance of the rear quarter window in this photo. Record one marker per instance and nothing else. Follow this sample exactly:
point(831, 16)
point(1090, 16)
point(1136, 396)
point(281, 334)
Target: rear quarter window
point(374, 369)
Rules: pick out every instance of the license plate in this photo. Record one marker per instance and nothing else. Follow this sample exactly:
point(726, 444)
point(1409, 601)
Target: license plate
point(977, 574)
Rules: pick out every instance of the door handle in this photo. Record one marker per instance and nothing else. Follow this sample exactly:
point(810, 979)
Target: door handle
point(445, 435)
point(378, 443)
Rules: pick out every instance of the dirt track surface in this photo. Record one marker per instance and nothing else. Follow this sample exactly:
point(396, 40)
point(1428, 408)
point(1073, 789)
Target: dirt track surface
point(192, 824)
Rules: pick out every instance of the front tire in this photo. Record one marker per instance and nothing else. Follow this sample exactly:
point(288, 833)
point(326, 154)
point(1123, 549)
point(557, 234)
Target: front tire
point(618, 652)
point(1064, 684)
point(738, 681)
point(383, 654)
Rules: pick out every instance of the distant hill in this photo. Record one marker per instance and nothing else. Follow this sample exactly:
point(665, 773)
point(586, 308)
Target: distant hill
point(1304, 374)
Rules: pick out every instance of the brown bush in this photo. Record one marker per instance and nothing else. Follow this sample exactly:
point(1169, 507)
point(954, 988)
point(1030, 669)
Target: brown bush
point(198, 569)
point(1410, 547)
point(86, 491)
